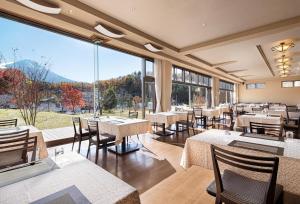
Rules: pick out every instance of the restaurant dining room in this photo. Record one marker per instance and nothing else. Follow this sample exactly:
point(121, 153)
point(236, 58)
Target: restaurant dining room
point(151, 102)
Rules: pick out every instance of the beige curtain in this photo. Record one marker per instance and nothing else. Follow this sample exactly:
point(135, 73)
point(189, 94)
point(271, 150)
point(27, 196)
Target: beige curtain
point(158, 83)
point(163, 84)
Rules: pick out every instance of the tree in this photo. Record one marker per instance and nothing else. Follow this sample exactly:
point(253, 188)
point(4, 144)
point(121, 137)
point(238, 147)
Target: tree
point(109, 99)
point(136, 100)
point(71, 97)
point(27, 90)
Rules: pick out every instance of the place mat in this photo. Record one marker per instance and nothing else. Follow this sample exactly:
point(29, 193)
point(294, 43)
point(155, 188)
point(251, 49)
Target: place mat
point(257, 147)
point(262, 136)
point(70, 195)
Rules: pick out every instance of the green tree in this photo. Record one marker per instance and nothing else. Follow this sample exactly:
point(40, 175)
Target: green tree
point(109, 99)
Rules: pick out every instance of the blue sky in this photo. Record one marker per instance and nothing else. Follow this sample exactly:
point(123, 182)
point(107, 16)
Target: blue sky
point(71, 58)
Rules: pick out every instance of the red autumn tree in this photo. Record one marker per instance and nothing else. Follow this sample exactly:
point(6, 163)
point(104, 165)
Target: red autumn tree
point(71, 97)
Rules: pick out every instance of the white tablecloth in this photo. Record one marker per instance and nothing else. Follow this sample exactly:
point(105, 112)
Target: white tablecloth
point(95, 183)
point(168, 118)
point(197, 152)
point(33, 132)
point(212, 112)
point(244, 120)
point(121, 127)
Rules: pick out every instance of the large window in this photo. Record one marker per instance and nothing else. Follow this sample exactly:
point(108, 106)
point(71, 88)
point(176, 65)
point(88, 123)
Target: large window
point(72, 83)
point(190, 88)
point(226, 92)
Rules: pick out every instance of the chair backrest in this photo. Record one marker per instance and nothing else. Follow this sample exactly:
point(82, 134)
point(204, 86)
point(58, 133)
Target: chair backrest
point(133, 114)
point(267, 165)
point(292, 111)
point(8, 123)
point(94, 128)
point(268, 129)
point(77, 123)
point(197, 111)
point(228, 119)
point(190, 117)
point(14, 147)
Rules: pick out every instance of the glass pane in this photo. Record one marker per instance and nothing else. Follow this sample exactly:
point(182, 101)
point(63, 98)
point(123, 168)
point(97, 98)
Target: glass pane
point(287, 84)
point(179, 75)
point(194, 78)
point(222, 97)
point(149, 68)
point(250, 86)
point(260, 85)
point(180, 94)
point(297, 83)
point(187, 76)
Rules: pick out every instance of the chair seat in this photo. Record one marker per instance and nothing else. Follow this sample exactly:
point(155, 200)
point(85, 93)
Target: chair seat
point(104, 138)
point(242, 189)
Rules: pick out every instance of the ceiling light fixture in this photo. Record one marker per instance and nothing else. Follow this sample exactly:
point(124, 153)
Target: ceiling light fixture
point(283, 75)
point(283, 59)
point(282, 47)
point(39, 7)
point(152, 48)
point(284, 66)
point(109, 31)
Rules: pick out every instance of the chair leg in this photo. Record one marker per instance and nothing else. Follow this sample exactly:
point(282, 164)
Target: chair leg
point(97, 154)
point(218, 200)
point(73, 142)
point(88, 151)
point(79, 145)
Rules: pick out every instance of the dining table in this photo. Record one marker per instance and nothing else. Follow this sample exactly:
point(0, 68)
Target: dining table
point(121, 128)
point(42, 151)
point(65, 178)
point(197, 152)
point(166, 119)
point(243, 121)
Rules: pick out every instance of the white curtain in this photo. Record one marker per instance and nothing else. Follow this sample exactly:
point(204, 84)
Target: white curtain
point(158, 83)
point(163, 84)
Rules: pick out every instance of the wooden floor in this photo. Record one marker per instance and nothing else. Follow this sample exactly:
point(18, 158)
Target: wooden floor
point(156, 173)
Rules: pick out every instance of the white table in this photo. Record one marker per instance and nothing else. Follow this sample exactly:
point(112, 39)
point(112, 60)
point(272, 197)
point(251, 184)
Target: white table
point(33, 132)
point(211, 112)
point(244, 120)
point(197, 152)
point(121, 128)
point(95, 183)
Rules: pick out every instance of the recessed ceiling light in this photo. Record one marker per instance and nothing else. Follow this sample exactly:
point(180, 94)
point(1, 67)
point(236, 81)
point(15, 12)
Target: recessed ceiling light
point(152, 48)
point(203, 24)
point(109, 31)
point(39, 7)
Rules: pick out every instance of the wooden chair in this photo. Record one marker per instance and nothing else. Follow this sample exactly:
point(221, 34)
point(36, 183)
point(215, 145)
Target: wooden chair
point(80, 134)
point(232, 187)
point(226, 122)
point(295, 128)
point(268, 129)
point(14, 148)
point(133, 114)
point(200, 119)
point(100, 140)
point(185, 125)
point(292, 114)
point(8, 123)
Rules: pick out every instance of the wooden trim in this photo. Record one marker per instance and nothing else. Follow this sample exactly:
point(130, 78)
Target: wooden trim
point(247, 34)
point(118, 23)
point(199, 60)
point(49, 27)
point(265, 59)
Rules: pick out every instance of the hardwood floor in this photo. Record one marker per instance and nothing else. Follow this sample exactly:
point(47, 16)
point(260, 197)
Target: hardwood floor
point(156, 173)
point(142, 169)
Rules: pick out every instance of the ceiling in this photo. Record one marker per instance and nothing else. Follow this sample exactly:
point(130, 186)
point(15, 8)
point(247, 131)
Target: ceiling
point(229, 39)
